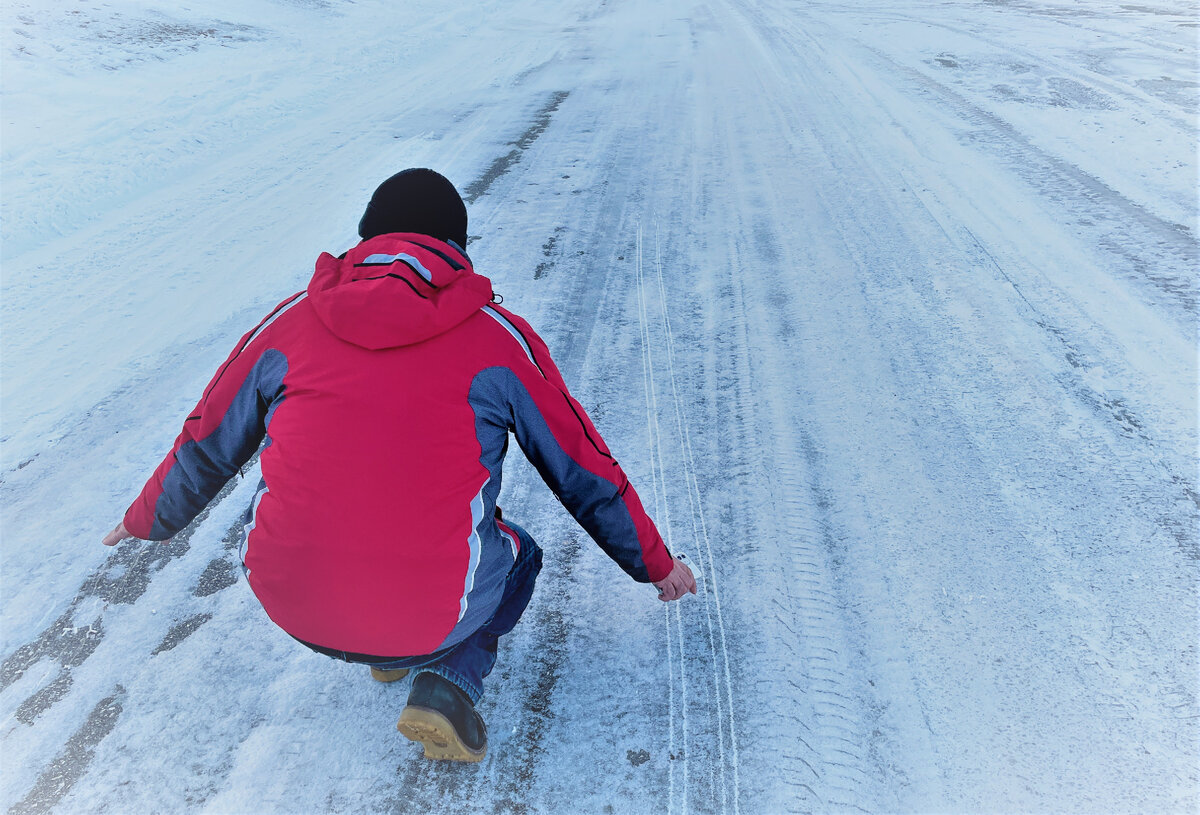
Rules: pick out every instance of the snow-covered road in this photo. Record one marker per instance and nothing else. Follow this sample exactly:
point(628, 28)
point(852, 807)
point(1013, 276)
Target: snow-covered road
point(889, 310)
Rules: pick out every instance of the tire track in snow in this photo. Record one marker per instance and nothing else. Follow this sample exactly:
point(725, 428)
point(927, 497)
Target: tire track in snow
point(886, 247)
point(534, 656)
point(70, 765)
point(122, 580)
point(808, 697)
point(502, 164)
point(772, 711)
point(808, 619)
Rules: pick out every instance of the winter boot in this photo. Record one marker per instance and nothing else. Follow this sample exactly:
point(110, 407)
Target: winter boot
point(385, 675)
point(442, 718)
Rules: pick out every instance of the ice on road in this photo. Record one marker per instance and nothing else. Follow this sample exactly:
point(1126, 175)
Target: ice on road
point(888, 309)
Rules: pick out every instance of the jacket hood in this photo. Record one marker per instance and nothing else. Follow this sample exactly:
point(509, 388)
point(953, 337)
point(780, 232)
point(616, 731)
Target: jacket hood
point(396, 289)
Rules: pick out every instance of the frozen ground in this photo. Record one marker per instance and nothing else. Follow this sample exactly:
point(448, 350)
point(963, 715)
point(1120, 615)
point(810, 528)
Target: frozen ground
point(889, 308)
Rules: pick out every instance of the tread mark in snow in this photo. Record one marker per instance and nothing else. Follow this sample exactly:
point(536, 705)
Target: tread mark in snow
point(69, 766)
point(181, 631)
point(798, 511)
point(476, 189)
point(44, 699)
point(218, 574)
point(122, 579)
point(518, 764)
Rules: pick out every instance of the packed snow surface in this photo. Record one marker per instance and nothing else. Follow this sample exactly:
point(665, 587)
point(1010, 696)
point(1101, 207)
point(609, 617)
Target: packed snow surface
point(888, 308)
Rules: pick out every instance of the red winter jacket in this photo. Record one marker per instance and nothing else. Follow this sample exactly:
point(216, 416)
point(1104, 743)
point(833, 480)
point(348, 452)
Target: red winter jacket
point(386, 393)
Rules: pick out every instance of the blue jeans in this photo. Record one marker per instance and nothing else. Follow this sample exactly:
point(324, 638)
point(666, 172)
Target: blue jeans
point(468, 662)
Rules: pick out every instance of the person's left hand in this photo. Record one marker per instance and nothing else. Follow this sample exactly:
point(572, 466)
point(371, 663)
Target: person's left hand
point(118, 534)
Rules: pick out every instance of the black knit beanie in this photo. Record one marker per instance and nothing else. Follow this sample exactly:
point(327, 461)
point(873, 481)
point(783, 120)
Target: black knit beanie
point(420, 201)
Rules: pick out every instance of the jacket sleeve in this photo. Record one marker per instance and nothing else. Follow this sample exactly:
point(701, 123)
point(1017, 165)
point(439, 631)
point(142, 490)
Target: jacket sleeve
point(218, 437)
point(560, 440)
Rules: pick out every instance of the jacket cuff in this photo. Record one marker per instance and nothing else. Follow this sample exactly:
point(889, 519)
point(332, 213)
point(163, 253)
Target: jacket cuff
point(659, 564)
point(136, 525)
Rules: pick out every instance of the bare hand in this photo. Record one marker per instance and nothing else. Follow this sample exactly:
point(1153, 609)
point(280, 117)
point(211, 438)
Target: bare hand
point(678, 583)
point(118, 534)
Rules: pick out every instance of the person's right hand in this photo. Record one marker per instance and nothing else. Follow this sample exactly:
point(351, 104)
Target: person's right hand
point(118, 534)
point(678, 583)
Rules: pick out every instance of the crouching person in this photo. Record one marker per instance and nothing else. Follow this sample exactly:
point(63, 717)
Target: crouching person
point(382, 397)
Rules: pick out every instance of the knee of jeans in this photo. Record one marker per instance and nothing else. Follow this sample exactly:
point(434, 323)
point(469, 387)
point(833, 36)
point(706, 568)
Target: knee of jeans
point(528, 544)
point(530, 556)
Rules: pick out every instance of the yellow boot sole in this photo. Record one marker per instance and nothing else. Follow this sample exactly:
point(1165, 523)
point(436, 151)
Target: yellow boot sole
point(380, 675)
point(436, 735)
